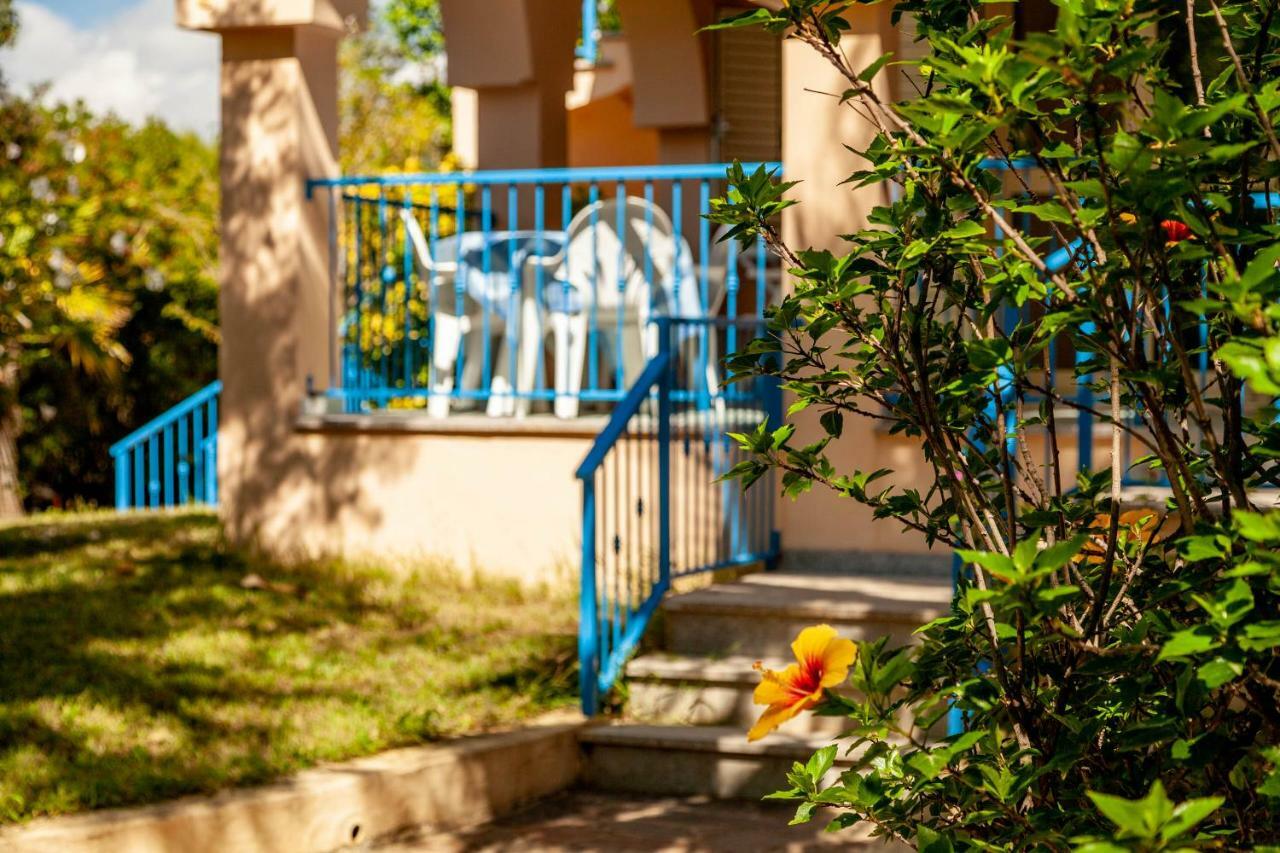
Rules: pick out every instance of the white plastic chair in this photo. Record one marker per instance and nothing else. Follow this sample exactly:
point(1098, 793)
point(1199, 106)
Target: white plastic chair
point(458, 324)
point(608, 273)
point(449, 329)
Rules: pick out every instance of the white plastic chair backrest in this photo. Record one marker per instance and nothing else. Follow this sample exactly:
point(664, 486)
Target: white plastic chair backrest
point(717, 271)
point(601, 264)
point(418, 240)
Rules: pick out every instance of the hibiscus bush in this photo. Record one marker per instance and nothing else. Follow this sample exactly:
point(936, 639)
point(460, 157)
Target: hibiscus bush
point(1072, 287)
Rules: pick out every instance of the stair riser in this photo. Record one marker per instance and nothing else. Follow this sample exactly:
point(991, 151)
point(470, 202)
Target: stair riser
point(692, 704)
point(673, 772)
point(693, 633)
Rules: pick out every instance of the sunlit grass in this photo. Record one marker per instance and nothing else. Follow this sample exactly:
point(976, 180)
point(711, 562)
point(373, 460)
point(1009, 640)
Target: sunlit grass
point(140, 660)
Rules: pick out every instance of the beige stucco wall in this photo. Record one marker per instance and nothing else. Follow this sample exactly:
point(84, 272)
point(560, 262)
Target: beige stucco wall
point(815, 127)
point(498, 504)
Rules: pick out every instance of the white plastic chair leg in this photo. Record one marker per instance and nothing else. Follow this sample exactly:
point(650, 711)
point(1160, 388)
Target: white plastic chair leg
point(712, 377)
point(446, 341)
point(501, 403)
point(528, 363)
point(570, 333)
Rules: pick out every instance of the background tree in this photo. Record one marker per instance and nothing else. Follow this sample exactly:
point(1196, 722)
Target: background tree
point(394, 110)
point(1113, 665)
point(108, 309)
point(108, 253)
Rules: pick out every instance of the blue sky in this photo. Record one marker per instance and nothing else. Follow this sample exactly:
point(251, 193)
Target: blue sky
point(127, 57)
point(85, 13)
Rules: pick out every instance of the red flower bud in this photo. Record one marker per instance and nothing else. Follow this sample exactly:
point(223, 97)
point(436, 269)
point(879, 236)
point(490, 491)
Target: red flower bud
point(1175, 231)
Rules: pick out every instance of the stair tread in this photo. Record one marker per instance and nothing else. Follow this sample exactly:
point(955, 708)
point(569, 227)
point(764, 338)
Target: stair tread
point(723, 740)
point(732, 669)
point(819, 597)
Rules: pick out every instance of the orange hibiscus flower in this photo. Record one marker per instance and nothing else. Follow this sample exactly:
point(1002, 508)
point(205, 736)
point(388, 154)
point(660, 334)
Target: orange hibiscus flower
point(822, 661)
point(1147, 526)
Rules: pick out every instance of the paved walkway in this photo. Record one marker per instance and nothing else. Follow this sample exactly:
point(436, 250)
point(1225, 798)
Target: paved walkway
point(600, 822)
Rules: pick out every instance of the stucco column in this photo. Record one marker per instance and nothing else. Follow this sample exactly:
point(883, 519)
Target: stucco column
point(670, 74)
point(279, 119)
point(816, 127)
point(511, 64)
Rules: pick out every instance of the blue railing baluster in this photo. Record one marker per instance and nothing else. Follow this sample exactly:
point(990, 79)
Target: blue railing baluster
point(511, 333)
point(211, 475)
point(150, 462)
point(486, 268)
point(153, 472)
point(677, 221)
point(197, 447)
point(184, 464)
point(593, 335)
point(406, 344)
point(386, 275)
point(139, 483)
point(434, 295)
point(460, 285)
point(539, 274)
point(650, 295)
point(121, 461)
point(168, 465)
point(357, 360)
point(620, 228)
point(589, 50)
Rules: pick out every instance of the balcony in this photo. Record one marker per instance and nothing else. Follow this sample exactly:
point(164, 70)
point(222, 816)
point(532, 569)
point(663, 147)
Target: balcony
point(511, 294)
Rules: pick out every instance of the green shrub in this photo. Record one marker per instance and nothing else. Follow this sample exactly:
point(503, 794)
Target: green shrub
point(1114, 667)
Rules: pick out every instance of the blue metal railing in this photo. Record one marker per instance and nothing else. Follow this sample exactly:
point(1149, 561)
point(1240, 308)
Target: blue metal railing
point(509, 290)
point(590, 47)
point(172, 460)
point(653, 508)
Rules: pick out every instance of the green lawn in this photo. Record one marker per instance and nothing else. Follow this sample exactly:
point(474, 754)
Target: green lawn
point(140, 659)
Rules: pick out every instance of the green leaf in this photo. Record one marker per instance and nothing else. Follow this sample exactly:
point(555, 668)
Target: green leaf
point(1125, 814)
point(1059, 554)
point(821, 762)
point(1049, 211)
point(755, 17)
point(874, 68)
point(930, 841)
point(966, 230)
point(1259, 636)
point(1218, 672)
point(998, 564)
point(1187, 814)
point(1189, 642)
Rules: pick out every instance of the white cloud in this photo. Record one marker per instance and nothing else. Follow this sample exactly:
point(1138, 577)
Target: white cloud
point(135, 64)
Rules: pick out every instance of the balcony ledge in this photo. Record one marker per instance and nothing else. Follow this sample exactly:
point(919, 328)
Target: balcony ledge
point(473, 424)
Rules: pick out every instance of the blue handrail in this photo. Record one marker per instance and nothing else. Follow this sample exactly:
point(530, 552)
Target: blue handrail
point(172, 459)
point(599, 671)
point(666, 447)
point(562, 175)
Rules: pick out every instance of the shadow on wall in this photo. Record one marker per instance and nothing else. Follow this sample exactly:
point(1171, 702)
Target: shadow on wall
point(275, 301)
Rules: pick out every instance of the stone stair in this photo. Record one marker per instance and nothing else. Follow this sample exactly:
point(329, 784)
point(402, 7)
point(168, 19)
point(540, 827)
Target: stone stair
point(688, 707)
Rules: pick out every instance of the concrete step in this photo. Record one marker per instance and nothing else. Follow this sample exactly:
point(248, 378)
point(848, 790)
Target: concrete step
point(759, 616)
point(702, 691)
point(714, 761)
